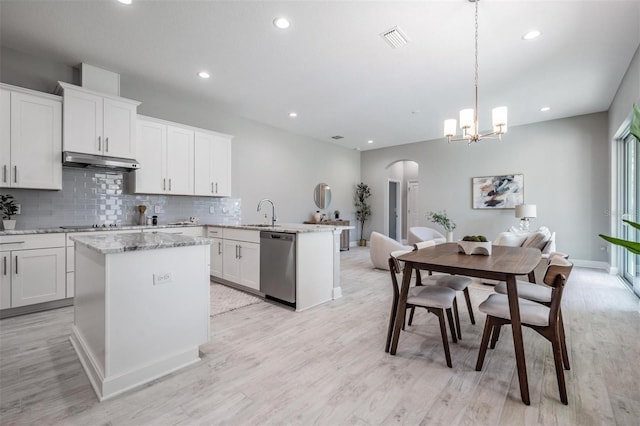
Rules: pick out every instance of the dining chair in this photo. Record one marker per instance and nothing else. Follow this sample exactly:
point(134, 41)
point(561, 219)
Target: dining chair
point(434, 299)
point(540, 293)
point(454, 282)
point(543, 319)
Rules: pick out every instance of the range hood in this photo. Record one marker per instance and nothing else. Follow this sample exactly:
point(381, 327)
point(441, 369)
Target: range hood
point(77, 159)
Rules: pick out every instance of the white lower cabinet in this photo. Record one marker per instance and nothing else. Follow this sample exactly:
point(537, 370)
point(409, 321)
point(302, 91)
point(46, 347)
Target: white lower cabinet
point(32, 269)
point(235, 256)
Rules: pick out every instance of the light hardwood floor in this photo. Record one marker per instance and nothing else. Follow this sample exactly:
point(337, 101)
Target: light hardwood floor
point(327, 366)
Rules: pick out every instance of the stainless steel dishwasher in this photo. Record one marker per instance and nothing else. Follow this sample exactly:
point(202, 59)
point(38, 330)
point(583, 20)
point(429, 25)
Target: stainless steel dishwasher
point(278, 266)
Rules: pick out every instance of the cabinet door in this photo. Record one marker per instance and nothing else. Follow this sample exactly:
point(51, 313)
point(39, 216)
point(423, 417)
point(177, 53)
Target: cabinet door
point(119, 128)
point(37, 276)
point(36, 142)
point(216, 257)
point(203, 164)
point(82, 122)
point(249, 254)
point(151, 153)
point(5, 137)
point(179, 160)
point(5, 279)
point(221, 168)
point(230, 261)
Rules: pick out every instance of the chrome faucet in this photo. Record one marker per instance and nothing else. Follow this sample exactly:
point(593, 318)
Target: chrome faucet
point(273, 210)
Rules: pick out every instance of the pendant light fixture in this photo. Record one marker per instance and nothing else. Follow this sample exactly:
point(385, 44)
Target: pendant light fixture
point(469, 117)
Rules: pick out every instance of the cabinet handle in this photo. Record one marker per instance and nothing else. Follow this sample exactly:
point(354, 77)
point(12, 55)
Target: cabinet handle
point(4, 265)
point(216, 187)
point(212, 187)
point(219, 247)
point(106, 144)
point(4, 173)
point(239, 252)
point(16, 265)
point(236, 251)
point(99, 143)
point(164, 184)
point(15, 174)
point(169, 184)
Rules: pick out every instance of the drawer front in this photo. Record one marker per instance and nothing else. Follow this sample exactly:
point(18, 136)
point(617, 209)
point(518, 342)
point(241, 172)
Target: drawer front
point(28, 242)
point(214, 232)
point(241, 235)
point(189, 231)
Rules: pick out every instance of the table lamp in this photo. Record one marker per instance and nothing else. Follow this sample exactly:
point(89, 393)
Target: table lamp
point(524, 212)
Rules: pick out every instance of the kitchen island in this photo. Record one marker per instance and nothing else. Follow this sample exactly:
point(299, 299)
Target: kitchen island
point(141, 306)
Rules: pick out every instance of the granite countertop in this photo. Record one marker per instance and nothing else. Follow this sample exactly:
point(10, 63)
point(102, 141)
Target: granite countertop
point(89, 228)
point(135, 241)
point(289, 228)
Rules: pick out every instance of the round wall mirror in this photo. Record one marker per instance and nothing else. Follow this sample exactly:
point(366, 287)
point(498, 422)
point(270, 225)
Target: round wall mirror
point(322, 195)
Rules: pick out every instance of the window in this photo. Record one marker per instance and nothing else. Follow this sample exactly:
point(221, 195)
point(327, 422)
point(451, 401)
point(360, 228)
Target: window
point(630, 197)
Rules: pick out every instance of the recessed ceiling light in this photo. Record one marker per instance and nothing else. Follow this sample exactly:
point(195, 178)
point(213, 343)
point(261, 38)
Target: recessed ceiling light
point(369, 141)
point(545, 109)
point(125, 1)
point(204, 74)
point(531, 35)
point(282, 23)
point(293, 114)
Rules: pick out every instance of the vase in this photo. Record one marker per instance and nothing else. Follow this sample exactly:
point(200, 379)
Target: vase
point(449, 236)
point(362, 242)
point(9, 224)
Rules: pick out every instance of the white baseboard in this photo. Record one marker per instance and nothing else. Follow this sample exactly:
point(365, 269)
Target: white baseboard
point(337, 292)
point(593, 265)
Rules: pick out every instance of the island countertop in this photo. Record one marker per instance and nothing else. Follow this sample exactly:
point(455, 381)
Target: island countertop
point(135, 241)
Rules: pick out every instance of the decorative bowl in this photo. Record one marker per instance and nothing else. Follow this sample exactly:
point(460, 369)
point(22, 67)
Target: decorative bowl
point(474, 247)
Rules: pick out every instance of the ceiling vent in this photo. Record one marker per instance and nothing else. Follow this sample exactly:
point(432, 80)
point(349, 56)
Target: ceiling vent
point(395, 37)
point(337, 137)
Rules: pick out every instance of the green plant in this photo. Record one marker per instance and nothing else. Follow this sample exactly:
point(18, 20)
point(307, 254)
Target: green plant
point(632, 246)
point(7, 206)
point(442, 219)
point(363, 210)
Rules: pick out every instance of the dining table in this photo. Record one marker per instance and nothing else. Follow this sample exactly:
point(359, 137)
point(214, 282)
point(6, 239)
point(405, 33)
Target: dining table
point(504, 263)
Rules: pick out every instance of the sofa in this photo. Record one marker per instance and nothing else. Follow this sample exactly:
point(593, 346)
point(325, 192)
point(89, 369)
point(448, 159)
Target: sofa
point(418, 234)
point(381, 247)
point(542, 239)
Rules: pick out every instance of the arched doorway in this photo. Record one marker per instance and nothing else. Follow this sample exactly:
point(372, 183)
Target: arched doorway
point(401, 202)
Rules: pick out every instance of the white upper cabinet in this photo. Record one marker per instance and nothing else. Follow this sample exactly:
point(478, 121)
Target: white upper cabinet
point(100, 124)
point(165, 153)
point(30, 139)
point(212, 164)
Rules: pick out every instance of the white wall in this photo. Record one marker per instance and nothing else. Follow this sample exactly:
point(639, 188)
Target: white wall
point(566, 174)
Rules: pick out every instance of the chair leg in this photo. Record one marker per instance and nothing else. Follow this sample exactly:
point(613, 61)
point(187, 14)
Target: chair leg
point(418, 278)
point(488, 326)
point(443, 332)
point(495, 335)
point(468, 299)
point(452, 326)
point(457, 318)
point(557, 359)
point(392, 320)
point(413, 309)
point(563, 341)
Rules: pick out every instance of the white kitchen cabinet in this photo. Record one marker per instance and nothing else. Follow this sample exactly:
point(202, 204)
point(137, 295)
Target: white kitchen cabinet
point(30, 139)
point(166, 156)
point(95, 123)
point(216, 260)
point(241, 257)
point(212, 164)
point(33, 269)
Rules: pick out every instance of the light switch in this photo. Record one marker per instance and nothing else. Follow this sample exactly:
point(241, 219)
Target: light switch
point(162, 278)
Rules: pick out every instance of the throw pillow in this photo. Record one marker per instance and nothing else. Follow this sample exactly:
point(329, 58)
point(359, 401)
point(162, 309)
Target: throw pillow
point(510, 239)
point(538, 239)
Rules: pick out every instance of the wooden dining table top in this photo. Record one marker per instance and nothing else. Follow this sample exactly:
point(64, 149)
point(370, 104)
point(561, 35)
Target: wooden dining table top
point(503, 261)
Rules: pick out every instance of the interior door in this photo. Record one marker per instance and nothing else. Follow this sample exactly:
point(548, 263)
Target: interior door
point(412, 204)
point(393, 210)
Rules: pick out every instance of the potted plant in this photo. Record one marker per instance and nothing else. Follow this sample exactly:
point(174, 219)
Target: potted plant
point(443, 220)
point(8, 208)
point(363, 209)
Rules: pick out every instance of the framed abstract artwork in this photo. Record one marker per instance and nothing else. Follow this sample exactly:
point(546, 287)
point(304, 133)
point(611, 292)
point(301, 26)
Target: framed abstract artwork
point(497, 192)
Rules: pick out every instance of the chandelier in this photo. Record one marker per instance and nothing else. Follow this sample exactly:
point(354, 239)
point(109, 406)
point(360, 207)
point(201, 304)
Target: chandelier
point(469, 117)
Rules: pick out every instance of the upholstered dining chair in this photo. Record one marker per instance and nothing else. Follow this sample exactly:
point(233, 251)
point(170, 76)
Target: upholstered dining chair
point(454, 282)
point(540, 293)
point(434, 299)
point(543, 319)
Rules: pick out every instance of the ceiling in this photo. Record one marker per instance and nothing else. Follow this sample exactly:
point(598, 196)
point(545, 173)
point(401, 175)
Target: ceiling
point(333, 68)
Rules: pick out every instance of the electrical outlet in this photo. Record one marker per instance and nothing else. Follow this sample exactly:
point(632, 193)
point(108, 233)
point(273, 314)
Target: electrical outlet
point(156, 209)
point(212, 209)
point(19, 211)
point(162, 278)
